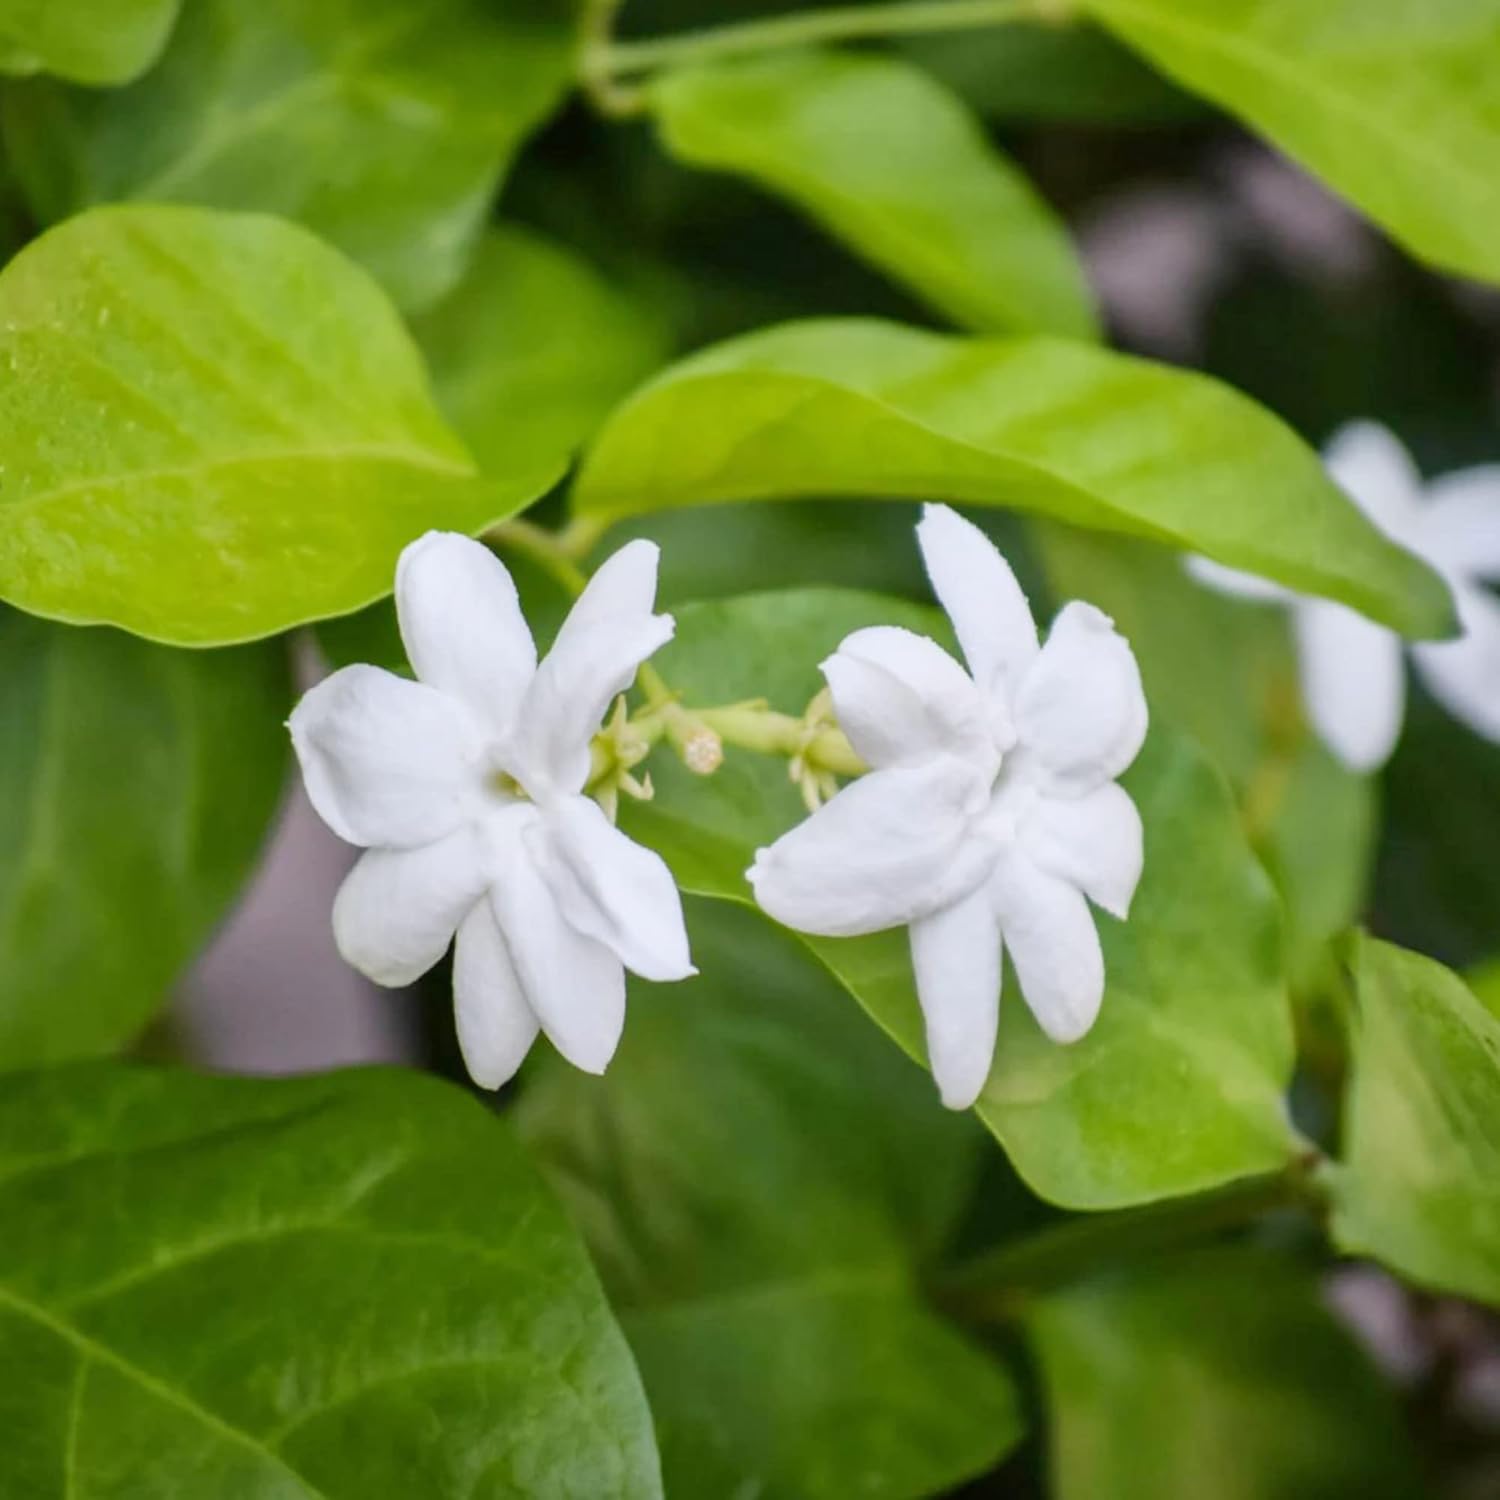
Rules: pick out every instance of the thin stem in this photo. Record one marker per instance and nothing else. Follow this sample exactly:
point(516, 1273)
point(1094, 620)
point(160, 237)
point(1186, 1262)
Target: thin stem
point(994, 1285)
point(615, 59)
point(544, 548)
point(753, 727)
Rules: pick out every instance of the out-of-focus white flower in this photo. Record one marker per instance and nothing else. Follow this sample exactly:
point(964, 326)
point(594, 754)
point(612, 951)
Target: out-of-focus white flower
point(1352, 678)
point(991, 813)
point(466, 787)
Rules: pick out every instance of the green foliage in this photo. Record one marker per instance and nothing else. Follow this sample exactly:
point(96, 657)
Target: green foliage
point(215, 428)
point(87, 41)
point(136, 785)
point(383, 125)
point(762, 1180)
point(1419, 1186)
point(1392, 103)
point(1179, 1086)
point(1217, 1375)
point(890, 162)
point(531, 350)
point(858, 407)
point(346, 1285)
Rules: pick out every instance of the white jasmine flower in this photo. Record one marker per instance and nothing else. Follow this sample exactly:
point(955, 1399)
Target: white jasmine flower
point(466, 789)
point(1352, 679)
point(990, 815)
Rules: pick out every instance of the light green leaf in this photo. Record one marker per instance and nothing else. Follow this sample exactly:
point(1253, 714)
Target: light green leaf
point(887, 159)
point(1180, 1085)
point(1393, 103)
point(213, 427)
point(296, 1289)
point(761, 1179)
point(531, 350)
point(1485, 982)
point(1419, 1186)
point(87, 41)
point(1220, 1374)
point(1224, 671)
point(383, 125)
point(136, 785)
point(858, 407)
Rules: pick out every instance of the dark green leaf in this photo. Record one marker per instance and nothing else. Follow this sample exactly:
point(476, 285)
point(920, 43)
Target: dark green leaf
point(136, 784)
point(381, 124)
point(533, 348)
point(1179, 1087)
point(343, 1286)
point(888, 160)
point(1393, 103)
point(213, 428)
point(87, 41)
point(761, 1178)
point(856, 407)
point(1419, 1186)
point(1218, 1375)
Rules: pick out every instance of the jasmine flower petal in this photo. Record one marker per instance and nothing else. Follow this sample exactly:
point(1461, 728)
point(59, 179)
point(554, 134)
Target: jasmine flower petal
point(1464, 675)
point(1094, 842)
point(496, 1026)
point(1459, 526)
point(956, 958)
point(1352, 682)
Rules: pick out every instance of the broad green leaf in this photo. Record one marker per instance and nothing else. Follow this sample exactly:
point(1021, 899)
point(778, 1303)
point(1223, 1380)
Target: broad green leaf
point(1179, 1087)
point(761, 1178)
point(532, 349)
point(1220, 1374)
point(136, 785)
point(87, 41)
point(352, 1285)
point(383, 125)
point(1224, 671)
point(1485, 982)
point(892, 163)
point(1393, 103)
point(858, 407)
point(1419, 1186)
point(214, 427)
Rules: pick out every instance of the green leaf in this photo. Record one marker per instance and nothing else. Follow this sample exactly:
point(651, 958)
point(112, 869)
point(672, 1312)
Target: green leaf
point(1180, 1085)
point(296, 1289)
point(1393, 104)
point(1224, 672)
point(1419, 1186)
point(857, 407)
point(761, 1179)
point(531, 350)
point(88, 41)
point(383, 125)
point(1221, 1375)
point(891, 162)
point(136, 786)
point(213, 428)
point(1485, 982)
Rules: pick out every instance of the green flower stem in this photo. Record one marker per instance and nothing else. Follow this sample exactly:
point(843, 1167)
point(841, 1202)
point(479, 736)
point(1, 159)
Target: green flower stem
point(753, 726)
point(544, 548)
point(996, 1285)
point(613, 60)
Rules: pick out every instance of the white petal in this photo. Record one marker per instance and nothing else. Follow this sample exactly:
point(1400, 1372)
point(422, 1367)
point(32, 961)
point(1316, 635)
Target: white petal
point(462, 625)
point(1236, 584)
point(1464, 675)
point(573, 984)
point(1352, 682)
point(496, 1027)
point(977, 589)
point(611, 889)
point(1081, 710)
point(609, 632)
point(901, 698)
point(889, 848)
point(956, 955)
point(1054, 945)
point(1371, 465)
point(1094, 842)
point(397, 909)
point(1459, 526)
point(387, 762)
